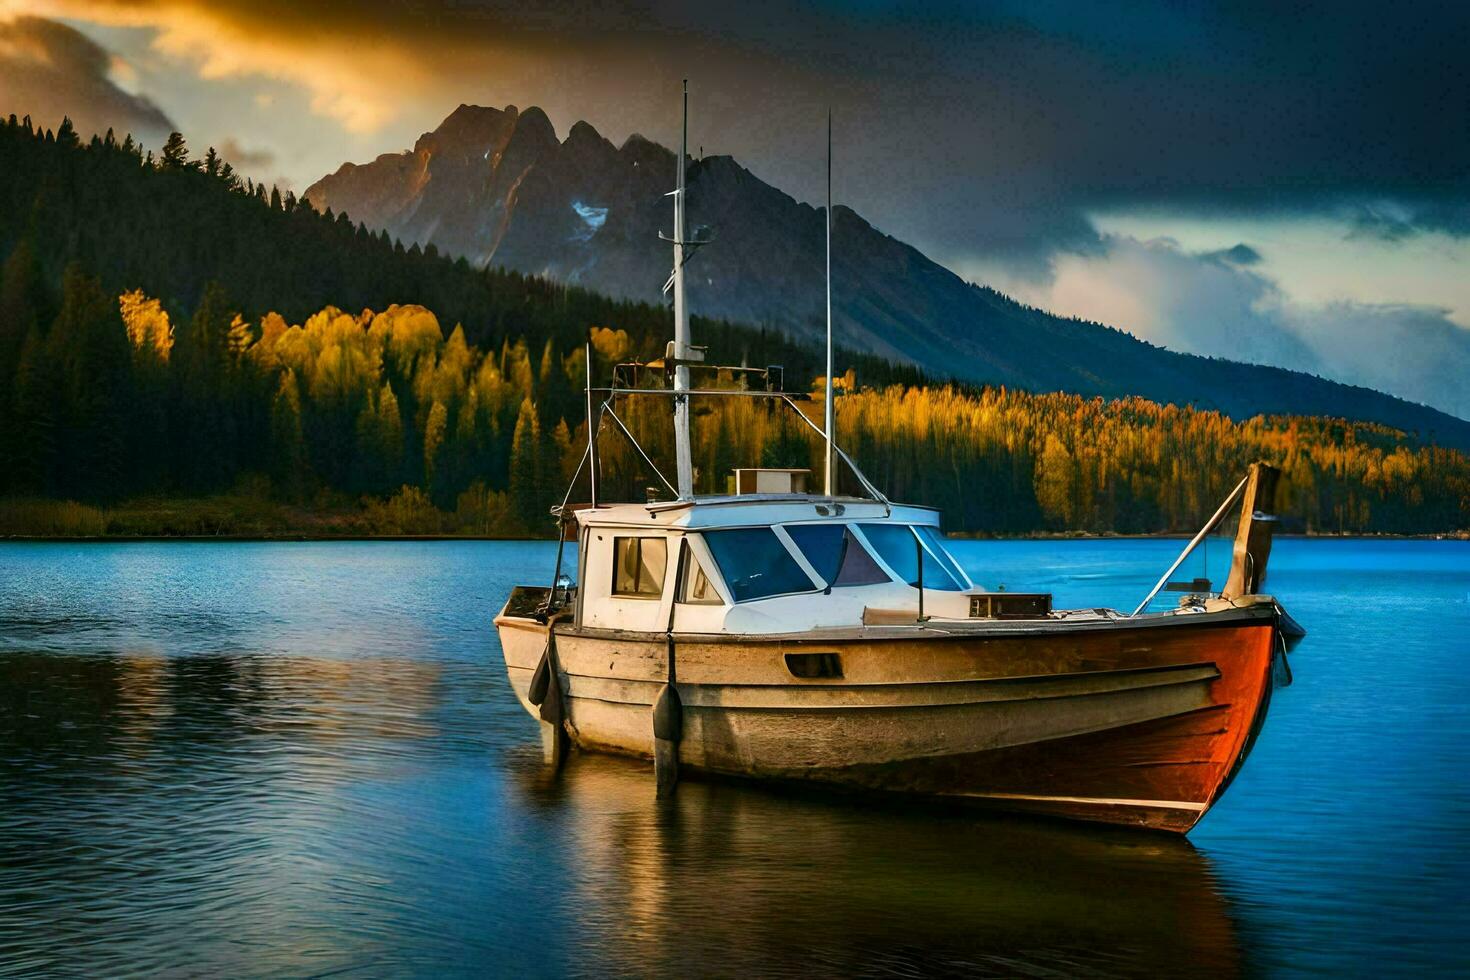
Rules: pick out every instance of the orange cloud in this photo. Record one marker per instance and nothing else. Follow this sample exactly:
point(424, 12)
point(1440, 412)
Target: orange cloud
point(356, 80)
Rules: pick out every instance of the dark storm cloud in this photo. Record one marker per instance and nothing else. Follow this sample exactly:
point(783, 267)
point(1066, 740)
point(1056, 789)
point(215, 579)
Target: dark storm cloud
point(1394, 221)
point(1035, 113)
point(48, 70)
point(992, 128)
point(1238, 255)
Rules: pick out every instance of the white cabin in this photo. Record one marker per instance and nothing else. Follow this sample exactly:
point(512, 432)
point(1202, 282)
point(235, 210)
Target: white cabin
point(754, 563)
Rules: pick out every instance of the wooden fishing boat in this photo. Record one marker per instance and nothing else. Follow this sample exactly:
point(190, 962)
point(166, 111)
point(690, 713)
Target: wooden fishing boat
point(833, 639)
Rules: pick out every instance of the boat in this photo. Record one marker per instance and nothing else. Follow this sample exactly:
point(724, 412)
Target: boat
point(783, 633)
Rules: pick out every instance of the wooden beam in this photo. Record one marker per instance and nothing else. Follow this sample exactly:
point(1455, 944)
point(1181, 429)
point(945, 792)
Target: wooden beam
point(1253, 538)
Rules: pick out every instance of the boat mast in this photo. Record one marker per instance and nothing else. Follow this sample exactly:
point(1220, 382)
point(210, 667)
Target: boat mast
point(685, 475)
point(829, 420)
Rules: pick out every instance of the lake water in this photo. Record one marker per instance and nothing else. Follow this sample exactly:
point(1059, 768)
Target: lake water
point(304, 759)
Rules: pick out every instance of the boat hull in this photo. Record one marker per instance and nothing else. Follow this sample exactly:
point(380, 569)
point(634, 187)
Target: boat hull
point(1139, 723)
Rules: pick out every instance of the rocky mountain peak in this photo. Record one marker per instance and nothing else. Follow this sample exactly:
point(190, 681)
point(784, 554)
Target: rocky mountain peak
point(535, 126)
point(641, 150)
point(468, 129)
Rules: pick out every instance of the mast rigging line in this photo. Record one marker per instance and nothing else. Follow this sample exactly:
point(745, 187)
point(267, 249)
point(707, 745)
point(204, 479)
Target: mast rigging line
point(607, 408)
point(1209, 526)
point(856, 471)
point(829, 415)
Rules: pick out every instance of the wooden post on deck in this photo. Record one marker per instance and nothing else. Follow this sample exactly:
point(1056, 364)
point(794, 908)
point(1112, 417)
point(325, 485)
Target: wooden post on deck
point(1253, 538)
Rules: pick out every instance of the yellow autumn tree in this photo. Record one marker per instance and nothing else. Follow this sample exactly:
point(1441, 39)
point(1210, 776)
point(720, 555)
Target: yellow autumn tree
point(147, 324)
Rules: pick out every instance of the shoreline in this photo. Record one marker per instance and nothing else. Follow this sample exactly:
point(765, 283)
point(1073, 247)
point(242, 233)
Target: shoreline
point(961, 536)
point(247, 516)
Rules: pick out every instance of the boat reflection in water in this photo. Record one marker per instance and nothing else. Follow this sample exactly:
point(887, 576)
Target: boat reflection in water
point(761, 881)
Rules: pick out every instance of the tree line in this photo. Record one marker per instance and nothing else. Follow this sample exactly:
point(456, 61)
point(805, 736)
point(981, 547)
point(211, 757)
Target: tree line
point(116, 383)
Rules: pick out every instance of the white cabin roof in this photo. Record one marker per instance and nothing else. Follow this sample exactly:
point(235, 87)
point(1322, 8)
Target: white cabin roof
point(752, 510)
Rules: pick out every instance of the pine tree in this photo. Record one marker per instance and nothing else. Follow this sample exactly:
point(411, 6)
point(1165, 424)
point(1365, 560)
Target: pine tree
point(435, 432)
point(20, 304)
point(390, 437)
point(35, 410)
point(66, 134)
point(289, 461)
point(525, 465)
point(206, 397)
point(20, 316)
point(175, 152)
point(88, 348)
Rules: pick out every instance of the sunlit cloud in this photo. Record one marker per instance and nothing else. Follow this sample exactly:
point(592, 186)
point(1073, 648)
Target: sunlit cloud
point(357, 81)
point(122, 71)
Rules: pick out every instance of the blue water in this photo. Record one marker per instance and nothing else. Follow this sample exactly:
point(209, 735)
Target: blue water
point(303, 759)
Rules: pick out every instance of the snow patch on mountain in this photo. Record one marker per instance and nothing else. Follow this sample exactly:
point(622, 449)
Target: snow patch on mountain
point(593, 218)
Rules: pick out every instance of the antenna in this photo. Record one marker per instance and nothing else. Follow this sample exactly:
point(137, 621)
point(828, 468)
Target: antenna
point(830, 417)
point(683, 462)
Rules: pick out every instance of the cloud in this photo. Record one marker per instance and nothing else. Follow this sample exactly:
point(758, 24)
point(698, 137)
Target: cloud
point(1238, 255)
point(49, 70)
point(245, 160)
point(1216, 304)
point(1415, 352)
point(1397, 220)
point(1189, 302)
point(358, 63)
point(970, 129)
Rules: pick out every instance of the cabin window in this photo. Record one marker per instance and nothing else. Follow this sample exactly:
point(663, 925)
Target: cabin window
point(755, 563)
point(837, 555)
point(935, 541)
point(697, 589)
point(897, 545)
point(638, 567)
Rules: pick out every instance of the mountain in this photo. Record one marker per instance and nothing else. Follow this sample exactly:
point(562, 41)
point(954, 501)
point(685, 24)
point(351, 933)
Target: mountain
point(498, 187)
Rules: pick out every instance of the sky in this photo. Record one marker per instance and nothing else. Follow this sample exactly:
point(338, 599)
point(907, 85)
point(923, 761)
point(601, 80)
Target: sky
point(1288, 184)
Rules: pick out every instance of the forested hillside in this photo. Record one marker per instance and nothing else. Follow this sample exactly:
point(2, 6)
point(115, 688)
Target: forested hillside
point(213, 352)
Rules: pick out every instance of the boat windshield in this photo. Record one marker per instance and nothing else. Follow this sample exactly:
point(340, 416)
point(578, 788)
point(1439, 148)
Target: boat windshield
point(755, 563)
point(897, 545)
point(935, 541)
point(837, 555)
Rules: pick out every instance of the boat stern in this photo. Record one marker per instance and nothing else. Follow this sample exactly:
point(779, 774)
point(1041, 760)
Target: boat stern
point(522, 628)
